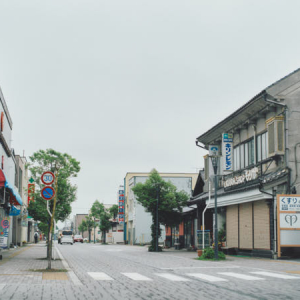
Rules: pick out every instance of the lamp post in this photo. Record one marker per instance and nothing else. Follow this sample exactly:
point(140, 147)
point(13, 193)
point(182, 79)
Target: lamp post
point(94, 230)
point(157, 198)
point(214, 160)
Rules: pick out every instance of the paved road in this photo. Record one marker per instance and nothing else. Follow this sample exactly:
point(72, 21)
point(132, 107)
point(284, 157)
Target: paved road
point(131, 272)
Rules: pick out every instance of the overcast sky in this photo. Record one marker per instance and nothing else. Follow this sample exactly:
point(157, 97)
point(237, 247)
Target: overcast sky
point(128, 85)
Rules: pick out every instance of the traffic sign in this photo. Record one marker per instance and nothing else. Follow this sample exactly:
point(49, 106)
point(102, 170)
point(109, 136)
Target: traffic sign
point(47, 192)
point(47, 178)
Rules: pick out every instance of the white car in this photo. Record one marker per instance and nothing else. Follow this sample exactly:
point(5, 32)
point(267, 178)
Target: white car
point(67, 237)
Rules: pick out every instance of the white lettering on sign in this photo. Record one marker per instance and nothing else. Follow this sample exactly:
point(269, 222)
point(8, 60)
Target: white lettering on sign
point(247, 175)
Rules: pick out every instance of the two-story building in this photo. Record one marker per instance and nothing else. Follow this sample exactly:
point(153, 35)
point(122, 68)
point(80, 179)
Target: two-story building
point(260, 156)
point(10, 200)
point(137, 229)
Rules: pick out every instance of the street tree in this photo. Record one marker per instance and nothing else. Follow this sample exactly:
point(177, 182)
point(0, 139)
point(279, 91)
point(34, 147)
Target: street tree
point(100, 212)
point(64, 168)
point(82, 228)
point(114, 210)
point(162, 201)
point(89, 224)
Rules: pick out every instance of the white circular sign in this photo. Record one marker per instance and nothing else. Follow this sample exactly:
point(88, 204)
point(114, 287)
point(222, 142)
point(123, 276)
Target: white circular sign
point(47, 178)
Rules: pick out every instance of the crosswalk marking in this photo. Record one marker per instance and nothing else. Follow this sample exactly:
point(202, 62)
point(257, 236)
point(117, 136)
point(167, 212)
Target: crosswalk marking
point(137, 276)
point(206, 277)
point(100, 276)
point(241, 276)
point(276, 275)
point(172, 277)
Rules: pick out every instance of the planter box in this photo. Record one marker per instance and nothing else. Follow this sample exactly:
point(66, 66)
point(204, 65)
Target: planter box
point(199, 252)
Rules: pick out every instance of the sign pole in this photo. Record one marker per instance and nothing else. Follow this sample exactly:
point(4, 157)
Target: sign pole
point(51, 222)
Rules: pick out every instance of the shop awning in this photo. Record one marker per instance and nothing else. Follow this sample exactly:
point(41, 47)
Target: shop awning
point(15, 198)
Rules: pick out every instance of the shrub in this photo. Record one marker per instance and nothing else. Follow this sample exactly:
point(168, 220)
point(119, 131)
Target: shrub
point(209, 253)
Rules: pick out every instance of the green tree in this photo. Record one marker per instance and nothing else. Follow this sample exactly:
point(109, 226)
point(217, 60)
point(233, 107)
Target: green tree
point(161, 199)
point(114, 210)
point(89, 224)
point(100, 212)
point(82, 228)
point(64, 167)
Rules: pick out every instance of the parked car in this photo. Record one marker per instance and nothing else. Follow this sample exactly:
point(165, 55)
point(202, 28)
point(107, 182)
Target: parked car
point(78, 238)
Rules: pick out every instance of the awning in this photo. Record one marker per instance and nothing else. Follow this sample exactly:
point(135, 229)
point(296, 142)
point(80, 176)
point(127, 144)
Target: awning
point(15, 198)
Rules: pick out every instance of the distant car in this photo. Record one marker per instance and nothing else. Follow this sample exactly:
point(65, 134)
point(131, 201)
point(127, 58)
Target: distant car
point(78, 238)
point(67, 237)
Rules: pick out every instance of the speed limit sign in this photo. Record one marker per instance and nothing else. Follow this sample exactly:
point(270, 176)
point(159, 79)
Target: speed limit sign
point(47, 178)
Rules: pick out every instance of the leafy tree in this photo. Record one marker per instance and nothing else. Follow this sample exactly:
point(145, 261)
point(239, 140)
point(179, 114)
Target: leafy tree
point(89, 224)
point(157, 195)
point(99, 211)
point(114, 210)
point(82, 228)
point(64, 167)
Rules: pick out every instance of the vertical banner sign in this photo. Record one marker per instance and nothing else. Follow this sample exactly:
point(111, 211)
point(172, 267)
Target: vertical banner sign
point(31, 190)
point(4, 229)
point(288, 221)
point(121, 206)
point(227, 150)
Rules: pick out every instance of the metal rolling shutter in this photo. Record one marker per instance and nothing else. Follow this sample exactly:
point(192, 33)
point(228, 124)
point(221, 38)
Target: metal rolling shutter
point(246, 230)
point(261, 225)
point(232, 226)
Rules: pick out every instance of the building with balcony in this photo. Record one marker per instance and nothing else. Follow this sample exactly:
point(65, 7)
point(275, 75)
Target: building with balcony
point(259, 159)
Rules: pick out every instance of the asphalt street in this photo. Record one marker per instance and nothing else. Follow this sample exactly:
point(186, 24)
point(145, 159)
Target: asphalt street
point(131, 272)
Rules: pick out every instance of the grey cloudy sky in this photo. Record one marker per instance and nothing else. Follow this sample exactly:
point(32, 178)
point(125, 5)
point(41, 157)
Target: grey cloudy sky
point(128, 85)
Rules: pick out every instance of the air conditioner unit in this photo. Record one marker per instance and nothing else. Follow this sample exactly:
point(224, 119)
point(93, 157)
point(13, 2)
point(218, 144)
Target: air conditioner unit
point(275, 127)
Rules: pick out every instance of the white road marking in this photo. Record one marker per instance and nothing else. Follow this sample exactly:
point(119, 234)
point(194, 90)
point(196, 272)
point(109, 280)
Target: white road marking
point(241, 276)
point(137, 276)
point(172, 277)
point(99, 276)
point(206, 277)
point(71, 274)
point(276, 275)
point(182, 268)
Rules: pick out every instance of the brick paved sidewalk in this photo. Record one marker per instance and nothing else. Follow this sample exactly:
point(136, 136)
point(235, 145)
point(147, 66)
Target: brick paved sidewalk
point(18, 264)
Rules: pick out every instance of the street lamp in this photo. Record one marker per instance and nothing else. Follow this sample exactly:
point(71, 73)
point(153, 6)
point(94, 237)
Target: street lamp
point(214, 161)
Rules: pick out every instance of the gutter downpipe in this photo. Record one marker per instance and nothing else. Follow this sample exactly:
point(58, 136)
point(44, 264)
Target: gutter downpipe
point(209, 193)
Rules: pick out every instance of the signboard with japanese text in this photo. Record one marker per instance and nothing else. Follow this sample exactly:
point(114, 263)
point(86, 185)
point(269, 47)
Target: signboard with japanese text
point(31, 190)
point(4, 230)
point(288, 221)
point(121, 206)
point(227, 151)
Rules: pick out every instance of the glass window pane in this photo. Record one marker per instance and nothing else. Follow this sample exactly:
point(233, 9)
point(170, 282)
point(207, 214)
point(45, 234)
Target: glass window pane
point(246, 154)
point(251, 152)
point(263, 146)
point(242, 153)
point(258, 146)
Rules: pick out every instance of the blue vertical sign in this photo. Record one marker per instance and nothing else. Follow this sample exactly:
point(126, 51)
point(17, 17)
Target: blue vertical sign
point(227, 150)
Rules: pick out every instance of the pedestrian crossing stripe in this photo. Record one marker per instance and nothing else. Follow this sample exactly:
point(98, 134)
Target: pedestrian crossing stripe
point(241, 276)
point(99, 276)
point(206, 277)
point(137, 276)
point(275, 275)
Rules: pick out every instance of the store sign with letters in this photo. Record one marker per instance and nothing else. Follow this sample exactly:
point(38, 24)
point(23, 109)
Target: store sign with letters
point(227, 150)
point(246, 176)
point(288, 224)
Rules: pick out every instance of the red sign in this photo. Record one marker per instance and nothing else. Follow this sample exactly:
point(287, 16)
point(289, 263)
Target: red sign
point(47, 178)
point(47, 192)
point(31, 190)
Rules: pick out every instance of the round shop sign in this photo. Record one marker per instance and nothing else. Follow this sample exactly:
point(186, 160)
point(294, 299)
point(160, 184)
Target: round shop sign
point(47, 193)
point(47, 178)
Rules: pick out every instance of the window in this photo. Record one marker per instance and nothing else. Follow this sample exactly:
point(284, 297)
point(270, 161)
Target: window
point(243, 155)
point(262, 146)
